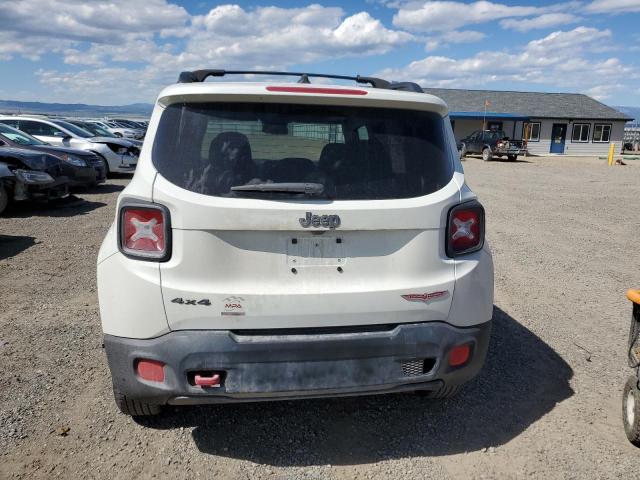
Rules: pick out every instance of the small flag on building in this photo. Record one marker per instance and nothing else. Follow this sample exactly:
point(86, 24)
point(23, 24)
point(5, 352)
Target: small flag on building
point(487, 103)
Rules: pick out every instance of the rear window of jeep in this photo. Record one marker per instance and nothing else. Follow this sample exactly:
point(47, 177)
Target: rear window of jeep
point(354, 152)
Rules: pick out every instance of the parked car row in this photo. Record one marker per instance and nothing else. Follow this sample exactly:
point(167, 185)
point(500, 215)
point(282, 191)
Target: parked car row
point(42, 158)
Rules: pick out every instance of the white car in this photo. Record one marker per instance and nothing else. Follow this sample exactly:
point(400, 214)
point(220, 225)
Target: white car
point(119, 155)
point(283, 240)
point(117, 130)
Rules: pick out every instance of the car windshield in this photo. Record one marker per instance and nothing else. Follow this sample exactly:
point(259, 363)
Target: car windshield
point(353, 152)
point(494, 134)
point(81, 132)
point(127, 123)
point(96, 129)
point(18, 137)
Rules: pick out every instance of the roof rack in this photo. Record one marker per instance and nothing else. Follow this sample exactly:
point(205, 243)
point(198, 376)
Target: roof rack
point(197, 76)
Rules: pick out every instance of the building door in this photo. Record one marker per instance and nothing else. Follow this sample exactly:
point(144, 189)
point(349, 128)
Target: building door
point(558, 136)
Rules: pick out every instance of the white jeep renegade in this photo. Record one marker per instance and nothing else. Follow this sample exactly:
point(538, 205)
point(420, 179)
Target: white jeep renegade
point(289, 240)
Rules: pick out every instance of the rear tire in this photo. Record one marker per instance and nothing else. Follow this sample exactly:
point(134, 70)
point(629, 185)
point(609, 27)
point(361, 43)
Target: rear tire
point(487, 156)
point(631, 410)
point(512, 158)
point(4, 198)
point(133, 407)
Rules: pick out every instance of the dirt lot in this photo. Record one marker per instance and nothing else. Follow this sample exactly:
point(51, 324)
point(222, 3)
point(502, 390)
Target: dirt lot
point(547, 404)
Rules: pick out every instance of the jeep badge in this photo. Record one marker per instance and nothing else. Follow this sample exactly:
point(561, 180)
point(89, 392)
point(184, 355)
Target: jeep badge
point(317, 221)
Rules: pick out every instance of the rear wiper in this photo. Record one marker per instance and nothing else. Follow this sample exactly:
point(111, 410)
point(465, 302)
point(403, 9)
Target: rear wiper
point(305, 188)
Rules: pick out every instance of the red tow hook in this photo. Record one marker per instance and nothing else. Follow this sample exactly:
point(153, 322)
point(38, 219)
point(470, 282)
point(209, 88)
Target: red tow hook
point(212, 381)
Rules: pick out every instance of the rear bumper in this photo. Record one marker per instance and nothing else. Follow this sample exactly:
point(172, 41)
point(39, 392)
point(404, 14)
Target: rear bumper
point(509, 151)
point(271, 366)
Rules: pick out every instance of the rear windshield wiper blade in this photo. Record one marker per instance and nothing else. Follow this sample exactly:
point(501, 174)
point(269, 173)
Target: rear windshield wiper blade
point(305, 188)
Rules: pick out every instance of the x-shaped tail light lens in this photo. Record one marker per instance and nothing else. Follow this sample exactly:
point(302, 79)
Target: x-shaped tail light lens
point(144, 232)
point(465, 229)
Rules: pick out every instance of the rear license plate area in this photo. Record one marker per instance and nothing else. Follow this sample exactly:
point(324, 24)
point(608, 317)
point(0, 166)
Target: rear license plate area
point(315, 252)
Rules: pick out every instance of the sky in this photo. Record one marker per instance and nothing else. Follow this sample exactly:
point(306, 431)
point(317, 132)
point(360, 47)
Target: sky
point(116, 52)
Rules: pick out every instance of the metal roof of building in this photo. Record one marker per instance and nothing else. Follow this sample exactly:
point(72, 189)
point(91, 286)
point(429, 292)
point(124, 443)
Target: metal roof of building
point(529, 104)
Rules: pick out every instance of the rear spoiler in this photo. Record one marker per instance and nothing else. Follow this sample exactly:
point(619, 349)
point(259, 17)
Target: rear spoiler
point(198, 76)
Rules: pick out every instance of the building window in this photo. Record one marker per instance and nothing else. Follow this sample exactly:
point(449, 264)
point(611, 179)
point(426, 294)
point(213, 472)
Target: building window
point(601, 132)
point(580, 132)
point(531, 131)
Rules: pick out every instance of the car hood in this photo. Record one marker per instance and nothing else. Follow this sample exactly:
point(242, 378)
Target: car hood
point(33, 159)
point(114, 141)
point(58, 150)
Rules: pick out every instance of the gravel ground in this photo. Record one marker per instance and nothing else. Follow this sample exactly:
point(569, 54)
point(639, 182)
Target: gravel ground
point(547, 404)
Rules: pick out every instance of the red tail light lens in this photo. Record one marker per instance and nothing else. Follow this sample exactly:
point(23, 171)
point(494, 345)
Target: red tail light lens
point(144, 232)
point(459, 355)
point(465, 229)
point(151, 370)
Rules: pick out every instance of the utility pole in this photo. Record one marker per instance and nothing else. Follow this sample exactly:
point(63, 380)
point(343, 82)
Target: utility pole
point(484, 119)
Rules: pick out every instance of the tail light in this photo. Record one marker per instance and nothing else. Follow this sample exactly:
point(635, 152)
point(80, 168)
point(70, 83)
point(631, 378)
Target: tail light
point(144, 232)
point(459, 355)
point(151, 370)
point(465, 229)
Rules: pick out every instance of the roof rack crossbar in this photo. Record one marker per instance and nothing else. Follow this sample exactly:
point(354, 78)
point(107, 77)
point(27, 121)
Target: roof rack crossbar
point(406, 87)
point(201, 75)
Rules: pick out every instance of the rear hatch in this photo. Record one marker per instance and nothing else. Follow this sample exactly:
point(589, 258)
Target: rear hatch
point(295, 216)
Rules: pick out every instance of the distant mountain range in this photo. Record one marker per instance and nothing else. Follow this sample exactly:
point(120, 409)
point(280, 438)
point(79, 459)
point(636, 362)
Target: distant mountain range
point(75, 109)
point(633, 112)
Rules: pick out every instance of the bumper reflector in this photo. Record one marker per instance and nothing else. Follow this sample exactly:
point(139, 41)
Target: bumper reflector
point(151, 370)
point(459, 355)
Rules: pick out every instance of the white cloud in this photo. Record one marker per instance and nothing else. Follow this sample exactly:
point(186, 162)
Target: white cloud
point(102, 21)
point(29, 47)
point(546, 20)
point(559, 59)
point(227, 36)
point(93, 38)
point(453, 37)
point(440, 16)
point(113, 85)
point(32, 28)
point(464, 36)
point(135, 48)
point(613, 6)
point(272, 36)
point(603, 92)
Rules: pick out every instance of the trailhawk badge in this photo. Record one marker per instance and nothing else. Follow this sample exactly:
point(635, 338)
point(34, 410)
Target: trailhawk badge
point(317, 221)
point(425, 297)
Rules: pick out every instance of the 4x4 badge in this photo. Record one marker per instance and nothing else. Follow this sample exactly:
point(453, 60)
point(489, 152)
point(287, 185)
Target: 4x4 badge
point(317, 221)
